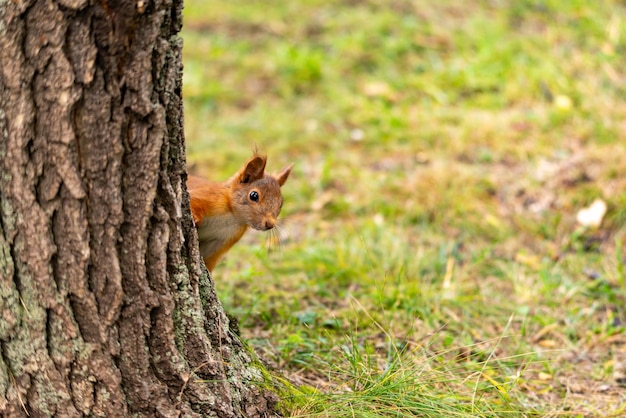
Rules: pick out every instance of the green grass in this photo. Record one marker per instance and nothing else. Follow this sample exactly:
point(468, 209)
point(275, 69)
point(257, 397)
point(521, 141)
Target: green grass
point(431, 264)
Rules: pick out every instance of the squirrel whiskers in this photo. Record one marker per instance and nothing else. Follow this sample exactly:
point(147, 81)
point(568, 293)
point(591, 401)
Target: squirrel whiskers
point(223, 211)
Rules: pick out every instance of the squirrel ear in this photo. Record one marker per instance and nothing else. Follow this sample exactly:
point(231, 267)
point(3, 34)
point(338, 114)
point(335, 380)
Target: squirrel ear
point(253, 170)
point(281, 177)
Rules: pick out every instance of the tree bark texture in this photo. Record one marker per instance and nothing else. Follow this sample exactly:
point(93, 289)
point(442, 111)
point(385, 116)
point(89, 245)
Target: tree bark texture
point(105, 310)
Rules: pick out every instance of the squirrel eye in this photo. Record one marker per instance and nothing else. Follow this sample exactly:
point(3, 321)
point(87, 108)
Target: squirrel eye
point(254, 196)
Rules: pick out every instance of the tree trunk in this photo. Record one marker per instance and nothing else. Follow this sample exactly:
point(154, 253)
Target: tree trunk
point(105, 309)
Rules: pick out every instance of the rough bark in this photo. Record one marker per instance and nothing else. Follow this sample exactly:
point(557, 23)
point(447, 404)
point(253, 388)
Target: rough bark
point(105, 310)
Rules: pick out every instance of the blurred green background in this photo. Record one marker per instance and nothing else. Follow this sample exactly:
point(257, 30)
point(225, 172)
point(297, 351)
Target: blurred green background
point(430, 260)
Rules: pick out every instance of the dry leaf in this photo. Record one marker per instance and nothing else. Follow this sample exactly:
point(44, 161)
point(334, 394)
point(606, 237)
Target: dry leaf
point(592, 215)
point(379, 89)
point(548, 343)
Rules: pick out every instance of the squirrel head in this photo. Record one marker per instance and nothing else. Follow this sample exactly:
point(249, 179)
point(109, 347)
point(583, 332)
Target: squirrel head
point(257, 199)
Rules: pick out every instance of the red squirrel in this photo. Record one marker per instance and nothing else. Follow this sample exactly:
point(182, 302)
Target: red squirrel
point(224, 211)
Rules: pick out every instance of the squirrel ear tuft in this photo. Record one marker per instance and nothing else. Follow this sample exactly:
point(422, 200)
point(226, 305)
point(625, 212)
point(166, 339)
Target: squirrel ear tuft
point(253, 170)
point(281, 177)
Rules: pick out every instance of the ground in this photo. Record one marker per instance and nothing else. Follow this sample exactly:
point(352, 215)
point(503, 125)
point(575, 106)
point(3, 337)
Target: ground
point(429, 260)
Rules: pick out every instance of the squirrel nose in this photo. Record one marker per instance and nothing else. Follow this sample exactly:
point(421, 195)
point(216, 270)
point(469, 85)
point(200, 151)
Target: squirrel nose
point(269, 224)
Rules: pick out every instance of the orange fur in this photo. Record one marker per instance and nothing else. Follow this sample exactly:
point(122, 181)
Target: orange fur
point(224, 211)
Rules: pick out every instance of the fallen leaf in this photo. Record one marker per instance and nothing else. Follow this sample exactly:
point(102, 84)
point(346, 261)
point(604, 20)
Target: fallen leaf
point(563, 102)
point(592, 215)
point(379, 89)
point(548, 343)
